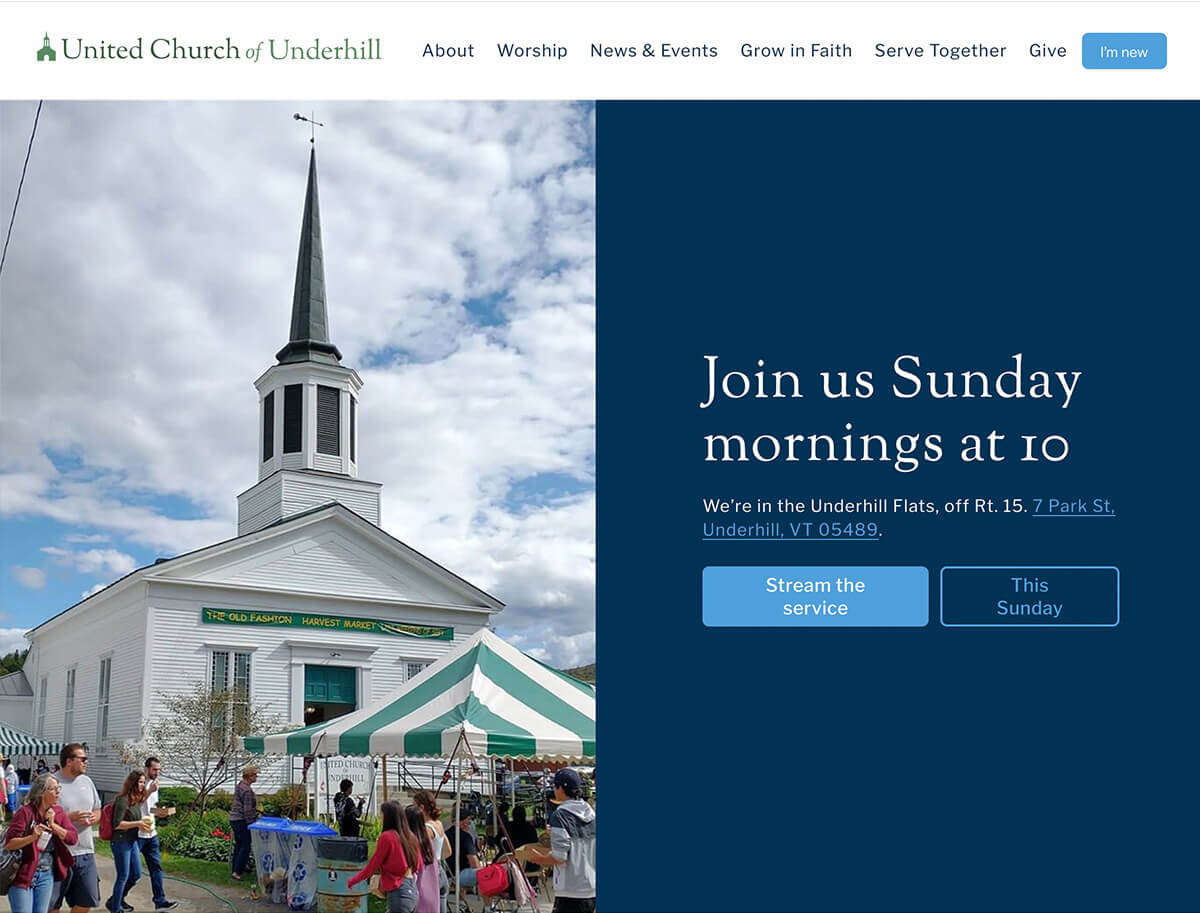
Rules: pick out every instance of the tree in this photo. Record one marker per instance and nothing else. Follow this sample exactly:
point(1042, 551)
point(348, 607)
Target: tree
point(12, 662)
point(196, 736)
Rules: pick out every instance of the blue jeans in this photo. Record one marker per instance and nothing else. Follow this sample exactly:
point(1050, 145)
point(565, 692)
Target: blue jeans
point(468, 878)
point(36, 897)
point(129, 870)
point(241, 846)
point(149, 848)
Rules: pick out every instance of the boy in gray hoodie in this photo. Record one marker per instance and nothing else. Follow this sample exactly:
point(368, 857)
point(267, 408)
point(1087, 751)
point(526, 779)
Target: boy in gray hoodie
point(572, 846)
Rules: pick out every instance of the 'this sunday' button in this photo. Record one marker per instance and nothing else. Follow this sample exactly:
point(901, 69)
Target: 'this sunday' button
point(806, 597)
point(1062, 597)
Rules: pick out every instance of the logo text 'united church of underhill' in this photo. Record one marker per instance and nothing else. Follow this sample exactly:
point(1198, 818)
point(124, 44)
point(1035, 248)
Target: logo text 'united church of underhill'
point(175, 49)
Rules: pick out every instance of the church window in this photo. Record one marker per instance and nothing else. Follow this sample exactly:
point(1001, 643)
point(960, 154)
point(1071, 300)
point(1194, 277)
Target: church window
point(103, 700)
point(293, 418)
point(231, 693)
point(41, 721)
point(413, 669)
point(328, 420)
point(69, 707)
point(269, 426)
point(353, 429)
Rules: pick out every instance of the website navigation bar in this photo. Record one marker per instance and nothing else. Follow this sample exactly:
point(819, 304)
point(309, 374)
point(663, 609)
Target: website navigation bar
point(609, 50)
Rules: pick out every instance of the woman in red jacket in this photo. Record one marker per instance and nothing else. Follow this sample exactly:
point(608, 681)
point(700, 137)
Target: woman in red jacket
point(42, 831)
point(397, 858)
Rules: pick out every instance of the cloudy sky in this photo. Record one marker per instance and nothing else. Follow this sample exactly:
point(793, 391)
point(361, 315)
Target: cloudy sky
point(149, 282)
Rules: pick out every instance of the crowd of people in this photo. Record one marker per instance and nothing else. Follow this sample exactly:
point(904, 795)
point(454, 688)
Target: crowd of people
point(415, 857)
point(53, 831)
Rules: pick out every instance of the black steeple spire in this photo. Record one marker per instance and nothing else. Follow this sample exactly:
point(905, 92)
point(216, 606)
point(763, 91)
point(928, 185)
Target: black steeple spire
point(309, 339)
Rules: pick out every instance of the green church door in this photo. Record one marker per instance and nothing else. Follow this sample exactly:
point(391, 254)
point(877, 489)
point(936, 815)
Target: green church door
point(329, 691)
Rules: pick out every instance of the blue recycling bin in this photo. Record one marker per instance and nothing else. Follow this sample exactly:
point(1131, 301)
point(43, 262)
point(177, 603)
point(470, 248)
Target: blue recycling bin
point(302, 878)
point(271, 845)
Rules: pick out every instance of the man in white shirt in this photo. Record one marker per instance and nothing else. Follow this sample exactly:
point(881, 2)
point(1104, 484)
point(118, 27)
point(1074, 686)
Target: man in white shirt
point(78, 797)
point(148, 842)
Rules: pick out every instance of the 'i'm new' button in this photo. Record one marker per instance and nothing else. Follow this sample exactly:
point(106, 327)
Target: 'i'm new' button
point(1124, 50)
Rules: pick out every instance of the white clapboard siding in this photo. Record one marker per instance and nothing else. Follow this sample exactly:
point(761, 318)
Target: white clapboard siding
point(327, 463)
point(260, 505)
point(331, 563)
point(302, 492)
point(17, 711)
point(181, 647)
point(111, 627)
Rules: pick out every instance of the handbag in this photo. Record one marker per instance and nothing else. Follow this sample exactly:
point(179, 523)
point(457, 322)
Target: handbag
point(10, 861)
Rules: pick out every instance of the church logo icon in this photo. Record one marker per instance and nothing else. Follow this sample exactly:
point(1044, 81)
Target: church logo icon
point(45, 52)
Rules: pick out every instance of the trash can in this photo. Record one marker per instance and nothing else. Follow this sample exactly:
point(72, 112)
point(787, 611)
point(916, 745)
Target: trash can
point(338, 860)
point(302, 862)
point(22, 795)
point(270, 843)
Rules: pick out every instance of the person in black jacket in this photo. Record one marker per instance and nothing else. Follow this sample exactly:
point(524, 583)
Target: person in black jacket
point(347, 809)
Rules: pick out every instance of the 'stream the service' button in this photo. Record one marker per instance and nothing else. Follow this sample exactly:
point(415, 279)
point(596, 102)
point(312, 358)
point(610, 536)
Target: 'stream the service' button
point(815, 597)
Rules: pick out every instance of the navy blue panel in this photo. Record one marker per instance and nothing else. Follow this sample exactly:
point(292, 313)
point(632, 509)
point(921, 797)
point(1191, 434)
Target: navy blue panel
point(929, 768)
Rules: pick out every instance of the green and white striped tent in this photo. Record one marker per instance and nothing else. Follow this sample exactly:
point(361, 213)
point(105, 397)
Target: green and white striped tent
point(507, 704)
point(15, 741)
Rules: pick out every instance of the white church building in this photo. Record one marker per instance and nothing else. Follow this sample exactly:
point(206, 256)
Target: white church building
point(311, 608)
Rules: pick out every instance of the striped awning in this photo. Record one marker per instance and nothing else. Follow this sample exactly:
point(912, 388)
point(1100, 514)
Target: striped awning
point(507, 704)
point(15, 741)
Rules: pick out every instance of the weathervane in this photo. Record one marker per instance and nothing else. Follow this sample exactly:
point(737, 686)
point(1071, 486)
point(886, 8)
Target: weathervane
point(314, 124)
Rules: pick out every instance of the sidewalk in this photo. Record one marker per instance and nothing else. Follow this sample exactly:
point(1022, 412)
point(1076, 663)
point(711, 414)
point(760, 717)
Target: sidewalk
point(191, 899)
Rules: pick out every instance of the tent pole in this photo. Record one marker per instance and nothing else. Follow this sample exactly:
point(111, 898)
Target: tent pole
point(385, 796)
point(457, 828)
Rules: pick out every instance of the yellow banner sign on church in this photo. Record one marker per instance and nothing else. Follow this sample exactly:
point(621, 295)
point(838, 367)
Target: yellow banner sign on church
point(262, 618)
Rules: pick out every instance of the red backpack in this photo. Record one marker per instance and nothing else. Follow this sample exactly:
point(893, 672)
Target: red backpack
point(493, 879)
point(106, 825)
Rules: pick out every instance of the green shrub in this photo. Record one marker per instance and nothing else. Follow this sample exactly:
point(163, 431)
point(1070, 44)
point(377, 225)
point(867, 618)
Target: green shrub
point(219, 799)
point(369, 828)
point(289, 802)
point(181, 797)
point(206, 836)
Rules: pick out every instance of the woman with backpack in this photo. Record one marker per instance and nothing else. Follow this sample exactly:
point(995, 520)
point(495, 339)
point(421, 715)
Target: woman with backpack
point(423, 799)
point(347, 810)
point(397, 858)
point(127, 823)
point(42, 831)
point(428, 896)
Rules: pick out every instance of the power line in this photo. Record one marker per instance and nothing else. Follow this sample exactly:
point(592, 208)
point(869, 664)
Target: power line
point(20, 184)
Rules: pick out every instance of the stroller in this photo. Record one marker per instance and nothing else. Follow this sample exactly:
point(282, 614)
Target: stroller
point(504, 886)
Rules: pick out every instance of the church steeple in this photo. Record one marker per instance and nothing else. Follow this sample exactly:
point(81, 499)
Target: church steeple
point(309, 338)
point(308, 406)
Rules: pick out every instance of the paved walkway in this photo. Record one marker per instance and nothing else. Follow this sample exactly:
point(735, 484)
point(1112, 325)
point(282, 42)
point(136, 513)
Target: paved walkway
point(191, 899)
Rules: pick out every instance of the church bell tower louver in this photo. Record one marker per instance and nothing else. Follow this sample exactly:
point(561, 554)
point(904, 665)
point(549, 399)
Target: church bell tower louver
point(308, 405)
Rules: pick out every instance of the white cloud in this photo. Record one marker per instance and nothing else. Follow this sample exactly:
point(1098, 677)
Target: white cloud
point(32, 578)
point(149, 282)
point(12, 639)
point(93, 560)
point(93, 590)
